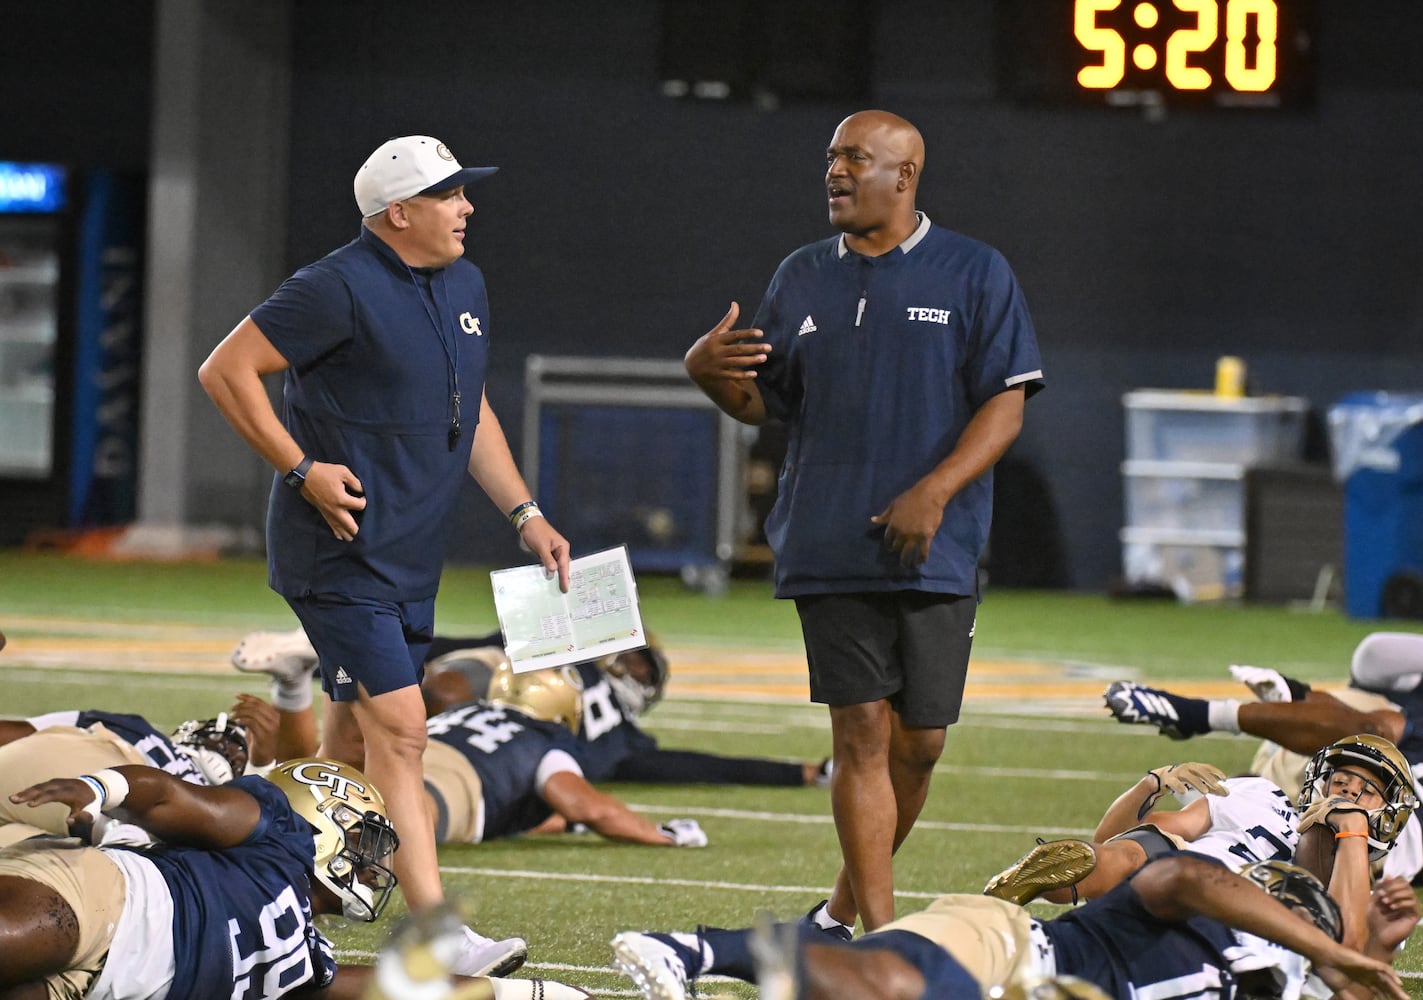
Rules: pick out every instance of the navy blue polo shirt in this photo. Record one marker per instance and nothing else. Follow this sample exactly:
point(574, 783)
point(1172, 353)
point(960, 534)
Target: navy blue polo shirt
point(878, 364)
point(373, 347)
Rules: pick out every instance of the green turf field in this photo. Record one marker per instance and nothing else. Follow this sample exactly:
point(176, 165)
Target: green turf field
point(1035, 755)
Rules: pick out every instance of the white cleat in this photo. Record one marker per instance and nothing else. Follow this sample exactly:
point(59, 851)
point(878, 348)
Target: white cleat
point(482, 956)
point(651, 964)
point(287, 656)
point(1264, 683)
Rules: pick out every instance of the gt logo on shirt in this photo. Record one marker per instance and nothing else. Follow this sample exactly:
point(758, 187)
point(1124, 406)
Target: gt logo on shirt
point(470, 324)
point(919, 314)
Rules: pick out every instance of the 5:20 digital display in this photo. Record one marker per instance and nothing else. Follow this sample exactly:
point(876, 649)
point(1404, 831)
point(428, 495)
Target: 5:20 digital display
point(1222, 53)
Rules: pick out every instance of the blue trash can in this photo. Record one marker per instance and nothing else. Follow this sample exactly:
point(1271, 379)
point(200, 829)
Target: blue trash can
point(1377, 441)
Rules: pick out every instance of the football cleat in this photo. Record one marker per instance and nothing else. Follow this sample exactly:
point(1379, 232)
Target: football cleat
point(839, 931)
point(1264, 683)
point(1056, 864)
point(653, 962)
point(417, 959)
point(482, 956)
point(287, 656)
point(1175, 716)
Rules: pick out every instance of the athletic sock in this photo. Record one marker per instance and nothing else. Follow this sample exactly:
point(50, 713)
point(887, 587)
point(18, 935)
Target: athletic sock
point(292, 695)
point(1223, 716)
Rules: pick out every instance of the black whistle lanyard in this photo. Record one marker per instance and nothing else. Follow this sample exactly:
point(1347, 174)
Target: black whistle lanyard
point(452, 355)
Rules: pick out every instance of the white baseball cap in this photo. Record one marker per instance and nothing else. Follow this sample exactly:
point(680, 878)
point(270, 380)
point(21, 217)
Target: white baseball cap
point(411, 165)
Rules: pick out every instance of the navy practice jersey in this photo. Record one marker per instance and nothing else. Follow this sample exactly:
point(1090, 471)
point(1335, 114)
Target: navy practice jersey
point(378, 353)
point(607, 732)
point(242, 921)
point(1115, 942)
point(505, 747)
point(877, 365)
point(138, 733)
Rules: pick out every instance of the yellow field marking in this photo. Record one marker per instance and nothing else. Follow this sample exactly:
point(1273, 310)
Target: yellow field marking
point(63, 642)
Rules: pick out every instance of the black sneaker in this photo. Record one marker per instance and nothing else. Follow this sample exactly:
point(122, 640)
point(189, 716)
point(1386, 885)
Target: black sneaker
point(839, 931)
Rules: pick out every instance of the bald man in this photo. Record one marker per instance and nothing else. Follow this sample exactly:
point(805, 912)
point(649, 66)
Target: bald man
point(899, 355)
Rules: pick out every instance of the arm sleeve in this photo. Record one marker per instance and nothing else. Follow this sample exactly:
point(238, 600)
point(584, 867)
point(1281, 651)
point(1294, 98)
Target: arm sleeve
point(776, 378)
point(554, 762)
point(692, 767)
point(308, 317)
point(1005, 344)
point(54, 719)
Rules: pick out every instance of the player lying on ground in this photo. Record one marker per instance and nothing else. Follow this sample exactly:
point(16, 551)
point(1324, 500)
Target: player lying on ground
point(1235, 820)
point(617, 690)
point(1294, 730)
point(69, 743)
point(1271, 927)
point(1383, 698)
point(223, 905)
point(1356, 803)
point(502, 767)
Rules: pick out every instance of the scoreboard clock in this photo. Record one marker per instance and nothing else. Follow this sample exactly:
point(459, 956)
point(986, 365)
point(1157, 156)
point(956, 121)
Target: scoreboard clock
point(1204, 53)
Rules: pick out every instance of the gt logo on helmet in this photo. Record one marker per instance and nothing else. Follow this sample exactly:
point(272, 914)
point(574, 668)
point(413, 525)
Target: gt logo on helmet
point(319, 775)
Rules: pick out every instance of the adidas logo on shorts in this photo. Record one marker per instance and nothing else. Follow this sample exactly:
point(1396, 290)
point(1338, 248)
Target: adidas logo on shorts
point(341, 676)
point(808, 326)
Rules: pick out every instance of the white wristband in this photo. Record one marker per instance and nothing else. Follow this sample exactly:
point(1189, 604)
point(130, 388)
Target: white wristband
point(95, 808)
point(115, 787)
point(524, 517)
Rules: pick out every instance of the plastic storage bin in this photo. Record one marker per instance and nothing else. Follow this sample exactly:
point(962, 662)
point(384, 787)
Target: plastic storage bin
point(1184, 484)
point(1196, 566)
point(1189, 496)
point(1168, 426)
point(1377, 441)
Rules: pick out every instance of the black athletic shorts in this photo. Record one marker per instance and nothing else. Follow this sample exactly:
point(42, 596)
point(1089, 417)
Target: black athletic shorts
point(908, 646)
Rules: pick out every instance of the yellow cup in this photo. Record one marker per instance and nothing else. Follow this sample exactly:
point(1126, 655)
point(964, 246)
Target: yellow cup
point(1230, 378)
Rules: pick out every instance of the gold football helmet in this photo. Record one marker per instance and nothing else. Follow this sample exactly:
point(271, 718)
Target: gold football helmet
point(553, 694)
point(217, 747)
point(638, 676)
point(1395, 784)
point(1299, 890)
point(353, 836)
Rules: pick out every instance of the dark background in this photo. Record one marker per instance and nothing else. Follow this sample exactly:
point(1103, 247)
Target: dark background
point(623, 222)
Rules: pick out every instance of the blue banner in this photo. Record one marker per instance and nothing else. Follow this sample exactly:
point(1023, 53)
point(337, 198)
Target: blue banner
point(103, 467)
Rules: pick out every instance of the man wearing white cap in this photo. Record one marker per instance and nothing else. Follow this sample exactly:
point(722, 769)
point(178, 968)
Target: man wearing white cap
point(384, 346)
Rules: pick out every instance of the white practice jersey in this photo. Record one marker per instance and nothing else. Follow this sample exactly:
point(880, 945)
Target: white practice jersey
point(1255, 822)
point(1405, 857)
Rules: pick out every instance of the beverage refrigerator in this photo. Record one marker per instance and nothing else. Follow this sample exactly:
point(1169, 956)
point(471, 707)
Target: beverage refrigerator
point(70, 297)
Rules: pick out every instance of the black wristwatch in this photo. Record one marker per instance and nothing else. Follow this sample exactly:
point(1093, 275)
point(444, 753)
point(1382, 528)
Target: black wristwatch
point(297, 476)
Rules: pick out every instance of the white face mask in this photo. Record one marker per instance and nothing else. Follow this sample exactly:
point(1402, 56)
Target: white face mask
point(210, 764)
point(629, 693)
